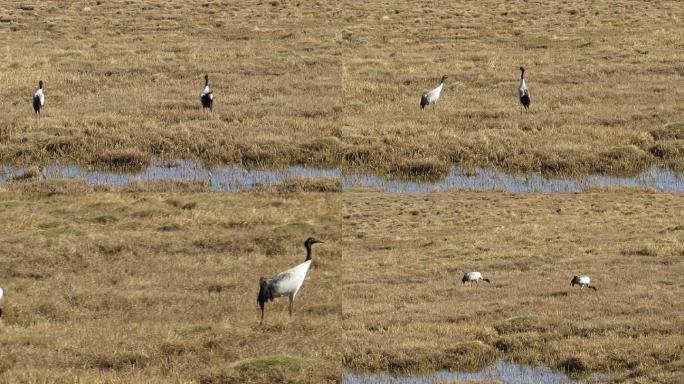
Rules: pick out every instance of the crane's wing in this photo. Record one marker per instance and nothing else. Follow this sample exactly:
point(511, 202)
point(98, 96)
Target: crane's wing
point(283, 282)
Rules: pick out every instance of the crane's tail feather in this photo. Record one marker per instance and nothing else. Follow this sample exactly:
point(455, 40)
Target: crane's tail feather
point(423, 102)
point(265, 292)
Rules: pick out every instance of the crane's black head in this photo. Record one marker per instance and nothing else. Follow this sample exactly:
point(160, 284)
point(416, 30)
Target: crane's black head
point(443, 78)
point(40, 84)
point(308, 242)
point(522, 69)
point(206, 79)
point(575, 280)
point(465, 279)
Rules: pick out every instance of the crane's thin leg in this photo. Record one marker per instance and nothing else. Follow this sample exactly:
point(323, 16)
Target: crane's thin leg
point(262, 315)
point(291, 298)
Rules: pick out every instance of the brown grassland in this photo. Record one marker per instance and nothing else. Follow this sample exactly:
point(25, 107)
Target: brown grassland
point(604, 78)
point(338, 83)
point(122, 80)
point(405, 309)
point(159, 287)
point(156, 281)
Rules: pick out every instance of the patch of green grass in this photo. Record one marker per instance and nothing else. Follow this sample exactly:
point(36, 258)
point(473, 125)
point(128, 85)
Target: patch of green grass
point(265, 363)
point(54, 231)
point(194, 329)
point(30, 337)
point(298, 226)
point(525, 320)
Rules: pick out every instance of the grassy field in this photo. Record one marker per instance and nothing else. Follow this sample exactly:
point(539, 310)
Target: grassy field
point(161, 287)
point(122, 80)
point(157, 281)
point(405, 309)
point(604, 79)
point(158, 287)
point(328, 83)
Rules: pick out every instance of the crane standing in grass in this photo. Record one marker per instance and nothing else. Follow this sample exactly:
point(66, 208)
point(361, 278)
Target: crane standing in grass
point(432, 96)
point(523, 92)
point(285, 283)
point(582, 281)
point(38, 99)
point(207, 96)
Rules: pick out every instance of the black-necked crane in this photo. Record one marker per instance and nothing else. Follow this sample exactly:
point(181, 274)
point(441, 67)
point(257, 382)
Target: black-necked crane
point(523, 92)
point(207, 96)
point(473, 277)
point(432, 96)
point(285, 283)
point(38, 99)
point(582, 281)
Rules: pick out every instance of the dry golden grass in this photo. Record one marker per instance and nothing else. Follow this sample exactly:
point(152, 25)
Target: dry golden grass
point(328, 83)
point(604, 78)
point(122, 80)
point(405, 309)
point(149, 287)
point(156, 281)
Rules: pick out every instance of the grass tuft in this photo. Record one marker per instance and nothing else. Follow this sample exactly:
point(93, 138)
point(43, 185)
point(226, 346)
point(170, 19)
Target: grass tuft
point(266, 363)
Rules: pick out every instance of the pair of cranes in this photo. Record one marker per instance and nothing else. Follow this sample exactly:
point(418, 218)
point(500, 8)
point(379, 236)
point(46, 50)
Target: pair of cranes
point(206, 97)
point(431, 97)
point(581, 280)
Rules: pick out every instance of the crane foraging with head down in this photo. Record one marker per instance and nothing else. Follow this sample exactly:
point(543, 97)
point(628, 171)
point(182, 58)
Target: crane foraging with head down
point(285, 283)
point(473, 277)
point(523, 92)
point(207, 96)
point(432, 96)
point(582, 281)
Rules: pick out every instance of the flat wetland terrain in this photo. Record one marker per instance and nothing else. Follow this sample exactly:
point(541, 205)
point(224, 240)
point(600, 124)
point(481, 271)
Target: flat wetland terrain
point(405, 309)
point(339, 83)
point(156, 281)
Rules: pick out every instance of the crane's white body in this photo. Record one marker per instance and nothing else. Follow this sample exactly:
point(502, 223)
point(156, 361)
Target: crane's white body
point(206, 91)
point(433, 95)
point(40, 96)
point(473, 277)
point(289, 282)
point(581, 280)
point(522, 90)
point(1, 293)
